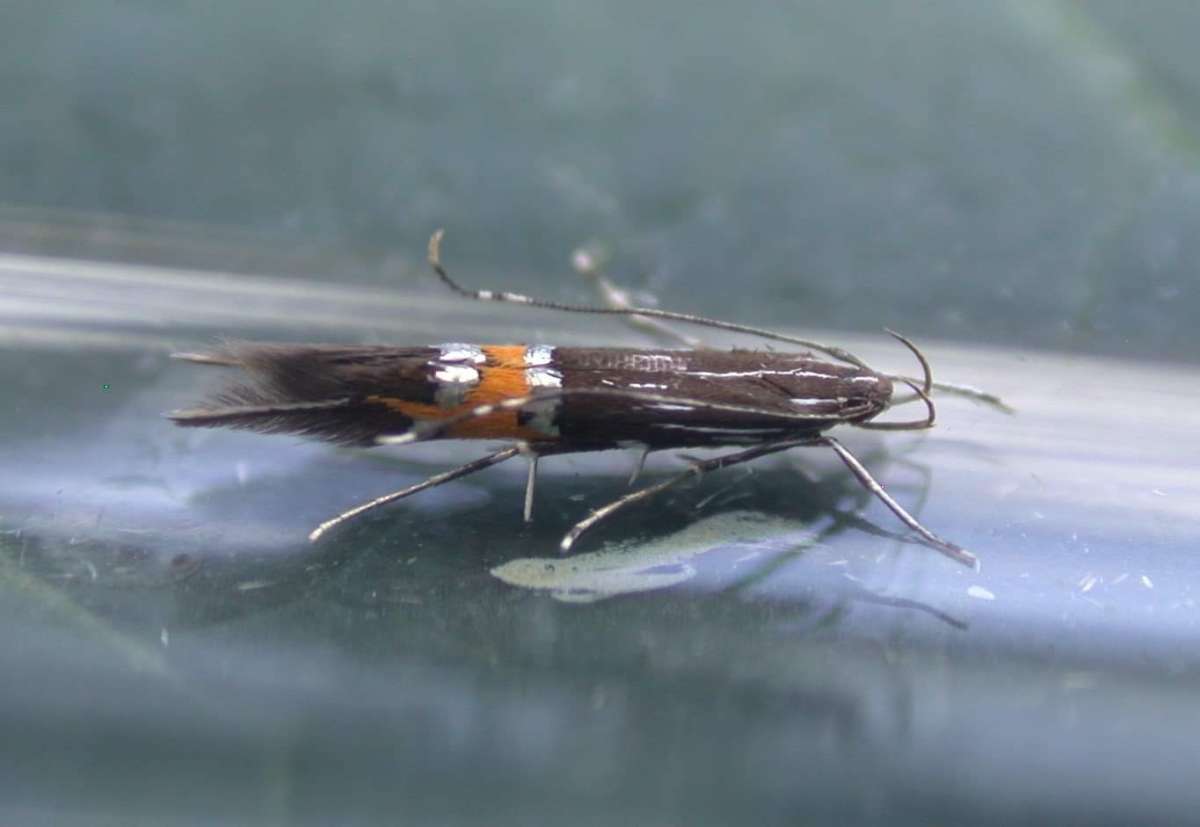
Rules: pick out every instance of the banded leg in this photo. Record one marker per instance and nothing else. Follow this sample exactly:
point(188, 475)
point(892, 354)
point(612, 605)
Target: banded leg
point(435, 480)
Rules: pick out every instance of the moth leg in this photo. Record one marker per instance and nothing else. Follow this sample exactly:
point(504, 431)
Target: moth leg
point(696, 468)
point(639, 465)
point(435, 480)
point(951, 550)
point(530, 481)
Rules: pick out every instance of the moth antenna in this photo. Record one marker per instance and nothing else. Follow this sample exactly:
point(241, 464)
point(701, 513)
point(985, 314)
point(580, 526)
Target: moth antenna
point(926, 371)
point(435, 243)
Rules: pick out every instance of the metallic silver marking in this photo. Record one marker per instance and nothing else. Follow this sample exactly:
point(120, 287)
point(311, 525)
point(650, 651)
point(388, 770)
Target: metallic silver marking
point(730, 374)
point(538, 374)
point(461, 352)
point(664, 407)
point(539, 355)
point(543, 378)
point(454, 383)
point(456, 374)
point(649, 385)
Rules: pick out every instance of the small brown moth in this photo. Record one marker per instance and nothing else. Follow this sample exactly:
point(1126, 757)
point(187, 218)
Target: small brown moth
point(548, 400)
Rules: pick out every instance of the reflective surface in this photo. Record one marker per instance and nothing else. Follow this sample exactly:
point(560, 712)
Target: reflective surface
point(1015, 189)
point(758, 643)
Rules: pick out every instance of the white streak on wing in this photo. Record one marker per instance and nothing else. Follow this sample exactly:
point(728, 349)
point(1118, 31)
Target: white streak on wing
point(710, 430)
point(819, 400)
point(741, 436)
point(734, 374)
point(665, 407)
point(461, 352)
point(644, 385)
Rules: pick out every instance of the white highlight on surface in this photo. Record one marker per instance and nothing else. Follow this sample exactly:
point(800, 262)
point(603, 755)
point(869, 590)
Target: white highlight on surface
point(980, 593)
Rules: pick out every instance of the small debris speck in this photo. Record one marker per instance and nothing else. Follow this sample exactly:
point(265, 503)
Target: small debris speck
point(1088, 583)
point(980, 593)
point(1147, 582)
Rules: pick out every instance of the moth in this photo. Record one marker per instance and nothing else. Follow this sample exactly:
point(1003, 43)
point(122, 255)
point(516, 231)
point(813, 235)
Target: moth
point(544, 400)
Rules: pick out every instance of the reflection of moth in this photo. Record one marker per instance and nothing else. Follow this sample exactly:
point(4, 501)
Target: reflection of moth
point(631, 568)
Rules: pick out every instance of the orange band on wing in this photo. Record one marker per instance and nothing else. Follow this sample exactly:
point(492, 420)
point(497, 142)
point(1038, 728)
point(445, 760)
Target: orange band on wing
point(502, 377)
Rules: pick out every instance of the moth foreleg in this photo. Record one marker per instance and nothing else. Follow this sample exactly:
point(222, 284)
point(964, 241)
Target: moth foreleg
point(954, 552)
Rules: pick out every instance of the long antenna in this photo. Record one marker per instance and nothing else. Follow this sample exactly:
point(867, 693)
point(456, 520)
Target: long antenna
point(435, 261)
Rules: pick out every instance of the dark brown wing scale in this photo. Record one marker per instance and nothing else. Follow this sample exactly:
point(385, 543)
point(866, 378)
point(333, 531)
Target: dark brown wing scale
point(766, 383)
point(315, 390)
